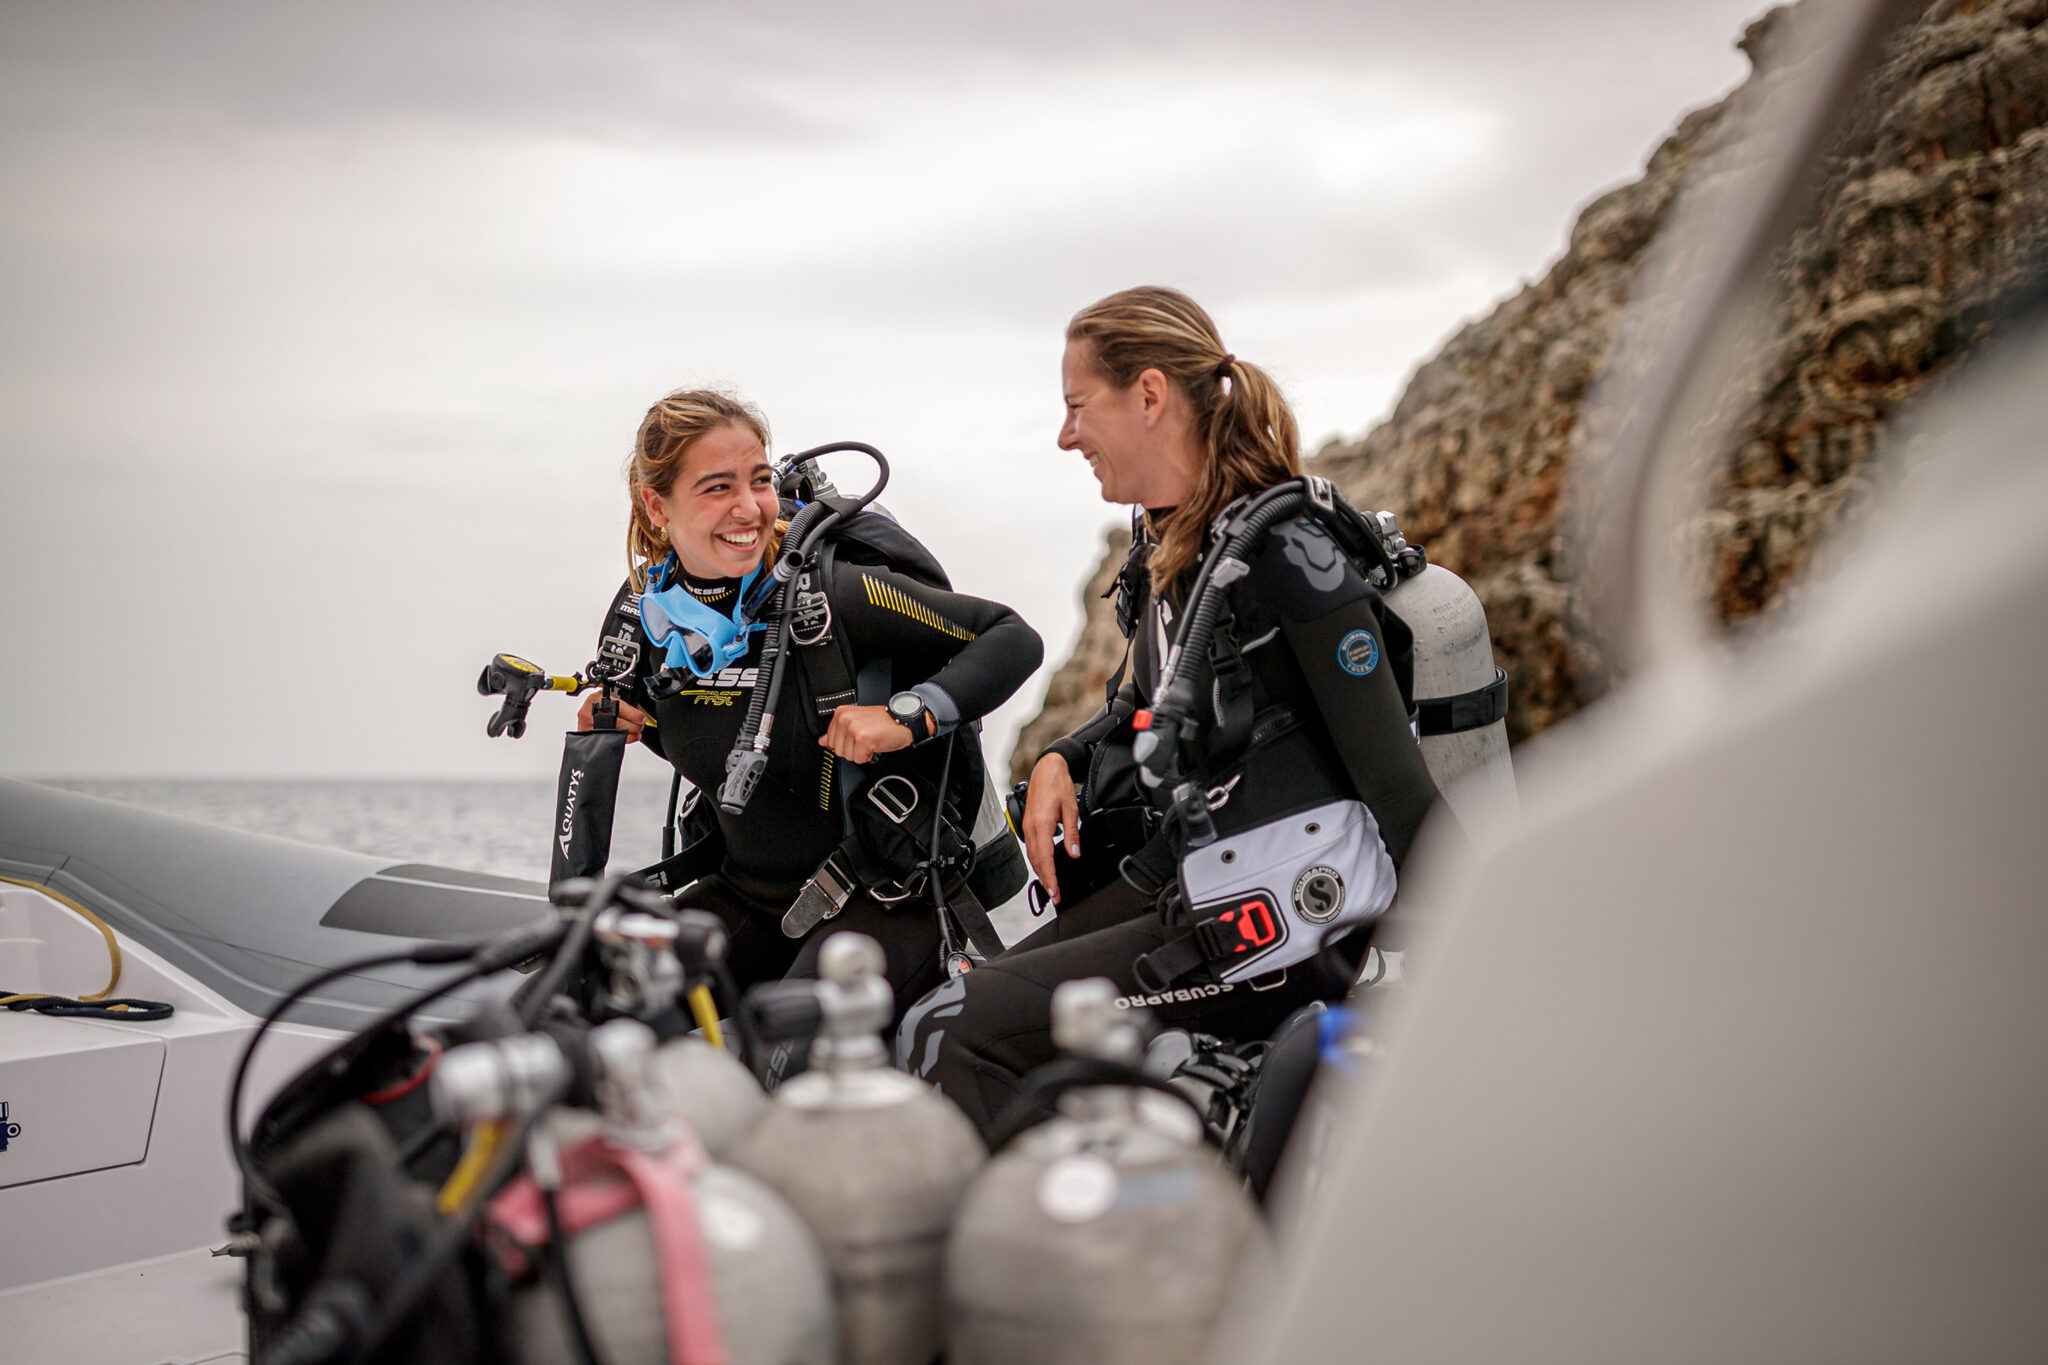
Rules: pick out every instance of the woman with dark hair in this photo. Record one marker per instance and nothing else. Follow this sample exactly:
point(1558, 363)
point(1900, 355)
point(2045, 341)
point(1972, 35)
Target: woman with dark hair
point(1319, 752)
point(704, 508)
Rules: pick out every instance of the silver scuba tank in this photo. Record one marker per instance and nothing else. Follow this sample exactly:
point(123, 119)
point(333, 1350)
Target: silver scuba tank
point(1457, 684)
point(768, 1278)
point(711, 1088)
point(873, 1160)
point(1109, 1234)
point(655, 962)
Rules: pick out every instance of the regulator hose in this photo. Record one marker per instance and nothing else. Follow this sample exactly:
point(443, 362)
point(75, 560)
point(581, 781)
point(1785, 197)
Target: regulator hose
point(1038, 1099)
point(804, 529)
point(361, 1337)
point(1158, 746)
point(801, 538)
point(749, 756)
point(101, 1004)
point(320, 1331)
point(483, 959)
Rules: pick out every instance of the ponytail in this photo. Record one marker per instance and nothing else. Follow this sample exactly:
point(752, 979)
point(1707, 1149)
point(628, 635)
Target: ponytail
point(1249, 436)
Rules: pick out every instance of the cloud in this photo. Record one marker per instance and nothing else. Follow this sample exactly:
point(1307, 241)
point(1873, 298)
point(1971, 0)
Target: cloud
point(637, 70)
point(340, 317)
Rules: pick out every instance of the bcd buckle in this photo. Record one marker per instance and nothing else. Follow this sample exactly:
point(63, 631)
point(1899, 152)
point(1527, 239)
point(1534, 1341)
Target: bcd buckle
point(810, 618)
point(896, 802)
point(823, 896)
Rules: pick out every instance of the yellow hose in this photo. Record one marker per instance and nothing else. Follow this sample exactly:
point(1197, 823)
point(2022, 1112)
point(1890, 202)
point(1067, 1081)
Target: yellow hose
point(706, 1014)
point(476, 1159)
point(113, 948)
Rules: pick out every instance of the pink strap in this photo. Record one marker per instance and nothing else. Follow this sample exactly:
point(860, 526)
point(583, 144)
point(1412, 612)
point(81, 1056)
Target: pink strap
point(687, 1300)
point(600, 1182)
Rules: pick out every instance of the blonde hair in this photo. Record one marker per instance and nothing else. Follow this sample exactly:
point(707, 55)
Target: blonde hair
point(666, 434)
point(1248, 434)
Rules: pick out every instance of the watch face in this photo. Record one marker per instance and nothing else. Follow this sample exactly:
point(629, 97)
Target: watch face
point(905, 704)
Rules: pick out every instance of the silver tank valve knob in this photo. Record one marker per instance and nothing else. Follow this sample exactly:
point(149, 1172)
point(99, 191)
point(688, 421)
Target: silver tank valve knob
point(1086, 1020)
point(493, 1081)
point(856, 1002)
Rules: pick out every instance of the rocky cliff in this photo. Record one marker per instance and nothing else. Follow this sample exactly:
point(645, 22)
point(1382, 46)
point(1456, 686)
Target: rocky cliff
point(1933, 210)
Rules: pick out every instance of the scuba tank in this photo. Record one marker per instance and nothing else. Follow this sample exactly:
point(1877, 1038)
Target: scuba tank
point(654, 963)
point(666, 1256)
point(710, 1087)
point(1461, 695)
point(1110, 1234)
point(875, 1161)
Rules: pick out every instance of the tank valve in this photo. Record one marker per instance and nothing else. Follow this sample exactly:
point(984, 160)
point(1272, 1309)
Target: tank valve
point(845, 1012)
point(700, 942)
point(639, 948)
point(856, 1002)
point(621, 1055)
point(1087, 1021)
point(493, 1081)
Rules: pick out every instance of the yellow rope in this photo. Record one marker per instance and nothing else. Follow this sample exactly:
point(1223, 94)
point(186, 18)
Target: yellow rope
point(113, 947)
point(476, 1158)
point(706, 1014)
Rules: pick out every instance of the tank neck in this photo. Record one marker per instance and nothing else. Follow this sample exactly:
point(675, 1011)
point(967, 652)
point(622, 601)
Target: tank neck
point(849, 1053)
point(1109, 1106)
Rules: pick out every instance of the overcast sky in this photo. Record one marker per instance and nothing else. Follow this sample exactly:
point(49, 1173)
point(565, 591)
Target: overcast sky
point(326, 328)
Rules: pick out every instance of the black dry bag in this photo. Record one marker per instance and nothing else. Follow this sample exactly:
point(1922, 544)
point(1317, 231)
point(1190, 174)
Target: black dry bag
point(586, 794)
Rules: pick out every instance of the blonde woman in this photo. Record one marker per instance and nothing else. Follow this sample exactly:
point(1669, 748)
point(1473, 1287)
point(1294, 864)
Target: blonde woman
point(703, 522)
point(1308, 717)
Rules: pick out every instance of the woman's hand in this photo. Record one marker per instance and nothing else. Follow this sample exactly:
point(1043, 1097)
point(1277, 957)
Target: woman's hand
point(1050, 805)
point(858, 733)
point(631, 718)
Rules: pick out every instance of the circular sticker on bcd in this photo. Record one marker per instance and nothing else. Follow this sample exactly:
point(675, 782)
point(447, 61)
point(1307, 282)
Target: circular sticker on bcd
point(1359, 653)
point(1076, 1189)
point(1319, 894)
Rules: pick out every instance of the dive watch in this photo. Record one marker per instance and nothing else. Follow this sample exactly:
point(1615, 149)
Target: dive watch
point(909, 710)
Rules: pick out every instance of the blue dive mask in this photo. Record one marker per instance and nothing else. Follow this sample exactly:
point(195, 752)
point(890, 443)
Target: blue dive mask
point(695, 636)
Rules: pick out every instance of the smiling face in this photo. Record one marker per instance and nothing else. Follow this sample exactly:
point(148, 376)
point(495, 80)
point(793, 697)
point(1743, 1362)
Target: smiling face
point(1137, 439)
point(720, 510)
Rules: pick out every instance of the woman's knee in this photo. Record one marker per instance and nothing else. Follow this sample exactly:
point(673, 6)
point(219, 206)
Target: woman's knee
point(989, 1012)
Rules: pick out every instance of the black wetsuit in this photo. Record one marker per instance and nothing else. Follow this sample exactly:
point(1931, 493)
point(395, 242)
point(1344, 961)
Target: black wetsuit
point(1298, 617)
point(963, 654)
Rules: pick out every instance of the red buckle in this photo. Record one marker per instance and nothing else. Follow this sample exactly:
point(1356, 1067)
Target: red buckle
point(1141, 719)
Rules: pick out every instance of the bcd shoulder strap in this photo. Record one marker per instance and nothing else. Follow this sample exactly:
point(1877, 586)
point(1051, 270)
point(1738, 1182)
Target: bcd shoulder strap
point(823, 655)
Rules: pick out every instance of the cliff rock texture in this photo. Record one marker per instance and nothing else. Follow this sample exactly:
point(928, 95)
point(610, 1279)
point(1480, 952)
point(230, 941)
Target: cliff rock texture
point(1932, 212)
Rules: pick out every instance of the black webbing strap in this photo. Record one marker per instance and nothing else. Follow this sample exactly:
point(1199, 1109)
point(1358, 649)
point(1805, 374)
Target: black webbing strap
point(1245, 734)
point(1466, 711)
point(1151, 869)
point(1202, 944)
point(678, 870)
point(826, 662)
point(1116, 679)
point(1230, 693)
point(973, 917)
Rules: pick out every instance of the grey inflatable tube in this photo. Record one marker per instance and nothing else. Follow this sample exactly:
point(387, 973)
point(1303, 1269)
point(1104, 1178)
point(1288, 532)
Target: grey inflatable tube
point(251, 916)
